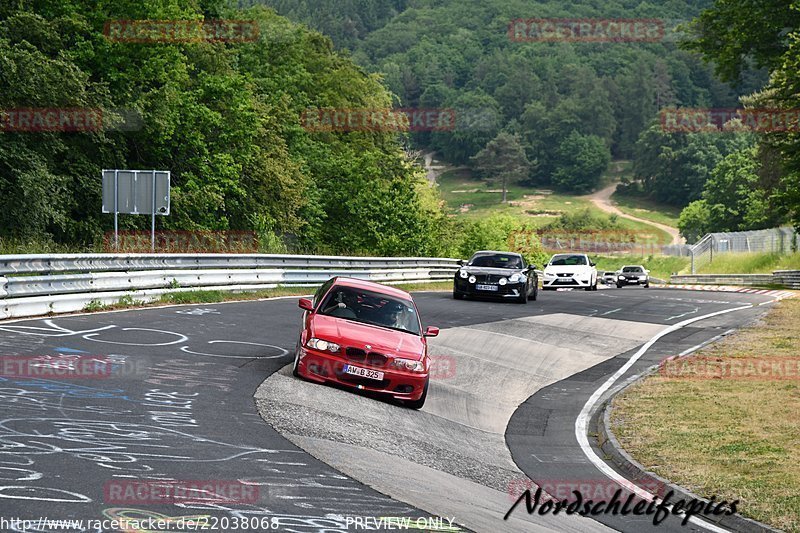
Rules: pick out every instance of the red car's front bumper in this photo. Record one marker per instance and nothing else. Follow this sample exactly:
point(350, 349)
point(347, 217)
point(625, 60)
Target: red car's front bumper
point(324, 367)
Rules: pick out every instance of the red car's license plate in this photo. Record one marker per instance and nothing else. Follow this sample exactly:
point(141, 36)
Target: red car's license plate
point(363, 372)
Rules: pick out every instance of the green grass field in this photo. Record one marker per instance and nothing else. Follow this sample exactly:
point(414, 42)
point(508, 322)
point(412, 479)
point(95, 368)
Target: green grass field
point(647, 209)
point(466, 196)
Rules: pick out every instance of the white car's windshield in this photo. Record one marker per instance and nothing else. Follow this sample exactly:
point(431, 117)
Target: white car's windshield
point(568, 260)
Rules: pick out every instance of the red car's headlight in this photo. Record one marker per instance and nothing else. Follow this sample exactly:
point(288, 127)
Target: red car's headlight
point(408, 365)
point(323, 346)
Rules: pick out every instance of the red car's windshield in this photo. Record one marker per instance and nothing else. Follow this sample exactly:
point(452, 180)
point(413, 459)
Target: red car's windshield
point(370, 307)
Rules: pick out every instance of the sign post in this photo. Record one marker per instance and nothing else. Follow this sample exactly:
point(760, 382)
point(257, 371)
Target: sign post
point(124, 192)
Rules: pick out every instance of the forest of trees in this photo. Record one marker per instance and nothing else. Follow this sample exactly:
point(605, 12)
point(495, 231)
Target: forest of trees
point(225, 117)
point(588, 102)
point(565, 101)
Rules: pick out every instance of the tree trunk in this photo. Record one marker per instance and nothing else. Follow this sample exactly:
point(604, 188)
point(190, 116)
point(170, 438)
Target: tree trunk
point(504, 188)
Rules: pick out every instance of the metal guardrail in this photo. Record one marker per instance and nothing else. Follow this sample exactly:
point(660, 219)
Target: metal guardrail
point(63, 263)
point(73, 280)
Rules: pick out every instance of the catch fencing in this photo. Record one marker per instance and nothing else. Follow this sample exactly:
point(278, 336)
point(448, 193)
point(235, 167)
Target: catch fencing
point(776, 240)
point(32, 285)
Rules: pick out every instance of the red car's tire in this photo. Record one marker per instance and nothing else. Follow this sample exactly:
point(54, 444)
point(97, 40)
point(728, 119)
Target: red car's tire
point(295, 366)
point(417, 404)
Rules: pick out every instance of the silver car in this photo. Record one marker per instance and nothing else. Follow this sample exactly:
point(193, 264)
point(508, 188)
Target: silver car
point(633, 275)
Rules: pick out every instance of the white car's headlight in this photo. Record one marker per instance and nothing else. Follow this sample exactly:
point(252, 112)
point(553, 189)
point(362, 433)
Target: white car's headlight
point(516, 278)
point(463, 273)
point(502, 281)
point(549, 274)
point(323, 346)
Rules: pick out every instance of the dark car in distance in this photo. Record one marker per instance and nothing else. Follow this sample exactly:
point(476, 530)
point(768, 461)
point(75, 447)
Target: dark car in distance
point(493, 274)
point(633, 275)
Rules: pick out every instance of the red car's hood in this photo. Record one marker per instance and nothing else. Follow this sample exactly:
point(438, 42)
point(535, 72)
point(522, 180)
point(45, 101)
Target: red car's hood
point(357, 335)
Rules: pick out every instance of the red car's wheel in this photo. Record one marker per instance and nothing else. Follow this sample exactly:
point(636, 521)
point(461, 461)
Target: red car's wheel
point(417, 404)
point(296, 365)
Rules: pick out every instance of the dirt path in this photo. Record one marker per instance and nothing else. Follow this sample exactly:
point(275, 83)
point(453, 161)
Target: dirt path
point(602, 199)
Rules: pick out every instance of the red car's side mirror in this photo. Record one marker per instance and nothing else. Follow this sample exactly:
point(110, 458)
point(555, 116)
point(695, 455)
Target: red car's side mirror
point(305, 303)
point(431, 331)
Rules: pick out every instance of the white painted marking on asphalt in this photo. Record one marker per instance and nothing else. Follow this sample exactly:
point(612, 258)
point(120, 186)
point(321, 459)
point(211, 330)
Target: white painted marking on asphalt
point(282, 350)
point(609, 312)
point(582, 422)
point(181, 338)
point(696, 309)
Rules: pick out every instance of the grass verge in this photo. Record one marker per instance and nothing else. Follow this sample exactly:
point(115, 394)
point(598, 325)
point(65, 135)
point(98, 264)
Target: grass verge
point(733, 438)
point(750, 263)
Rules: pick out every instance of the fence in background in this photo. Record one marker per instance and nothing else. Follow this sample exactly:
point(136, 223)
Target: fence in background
point(32, 285)
point(776, 240)
point(613, 248)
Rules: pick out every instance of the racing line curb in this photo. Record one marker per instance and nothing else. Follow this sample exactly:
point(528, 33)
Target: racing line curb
point(620, 460)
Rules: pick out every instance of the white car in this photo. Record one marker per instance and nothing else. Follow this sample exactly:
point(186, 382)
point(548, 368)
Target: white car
point(571, 271)
point(633, 275)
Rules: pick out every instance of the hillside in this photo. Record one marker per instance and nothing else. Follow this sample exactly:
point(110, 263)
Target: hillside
point(223, 117)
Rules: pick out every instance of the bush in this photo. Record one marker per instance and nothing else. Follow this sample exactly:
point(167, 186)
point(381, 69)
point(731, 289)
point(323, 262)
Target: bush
point(582, 220)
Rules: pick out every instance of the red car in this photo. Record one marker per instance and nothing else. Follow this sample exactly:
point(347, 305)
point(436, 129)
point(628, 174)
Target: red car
point(367, 336)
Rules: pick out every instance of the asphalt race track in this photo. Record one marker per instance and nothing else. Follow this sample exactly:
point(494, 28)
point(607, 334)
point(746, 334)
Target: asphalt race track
point(511, 382)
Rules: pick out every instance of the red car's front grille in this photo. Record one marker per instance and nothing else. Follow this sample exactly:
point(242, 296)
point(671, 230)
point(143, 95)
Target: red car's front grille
point(355, 354)
point(360, 356)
